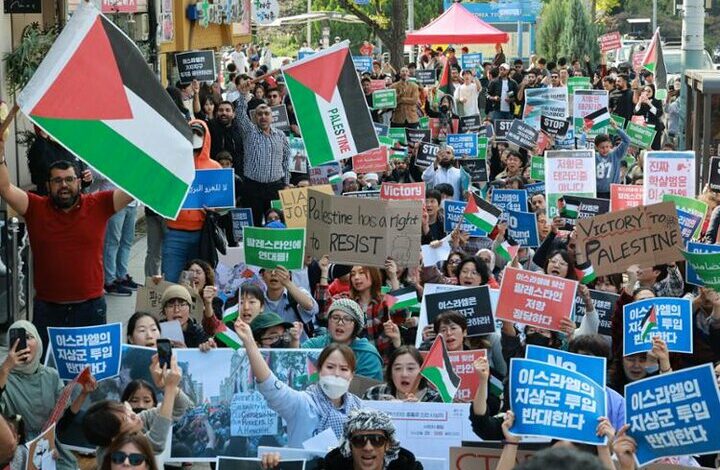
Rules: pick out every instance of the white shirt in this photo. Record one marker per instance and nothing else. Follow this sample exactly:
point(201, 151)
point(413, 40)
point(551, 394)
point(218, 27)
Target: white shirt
point(504, 105)
point(470, 95)
point(240, 61)
point(451, 176)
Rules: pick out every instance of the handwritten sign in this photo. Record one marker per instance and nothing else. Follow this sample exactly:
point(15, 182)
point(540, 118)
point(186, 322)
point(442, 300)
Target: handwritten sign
point(625, 196)
point(646, 235)
point(402, 192)
point(535, 299)
point(371, 161)
point(211, 189)
point(273, 247)
point(523, 228)
point(149, 295)
point(365, 232)
point(610, 41)
point(669, 318)
point(473, 304)
point(522, 134)
point(674, 414)
point(668, 173)
point(96, 346)
point(294, 204)
point(196, 65)
point(568, 173)
point(251, 416)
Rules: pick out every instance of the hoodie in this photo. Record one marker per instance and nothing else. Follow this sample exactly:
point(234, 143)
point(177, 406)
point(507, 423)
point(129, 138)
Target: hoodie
point(369, 363)
point(191, 220)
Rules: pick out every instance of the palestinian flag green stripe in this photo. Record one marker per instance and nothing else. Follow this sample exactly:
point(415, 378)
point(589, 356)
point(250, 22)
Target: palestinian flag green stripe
point(440, 379)
point(314, 137)
point(479, 222)
point(128, 164)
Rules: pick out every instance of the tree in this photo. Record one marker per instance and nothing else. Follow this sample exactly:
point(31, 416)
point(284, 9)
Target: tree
point(578, 38)
point(552, 23)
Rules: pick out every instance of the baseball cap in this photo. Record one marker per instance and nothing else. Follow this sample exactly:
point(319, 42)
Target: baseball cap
point(505, 66)
point(268, 320)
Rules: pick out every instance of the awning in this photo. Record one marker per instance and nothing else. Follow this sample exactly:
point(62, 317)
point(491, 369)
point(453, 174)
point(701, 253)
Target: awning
point(457, 26)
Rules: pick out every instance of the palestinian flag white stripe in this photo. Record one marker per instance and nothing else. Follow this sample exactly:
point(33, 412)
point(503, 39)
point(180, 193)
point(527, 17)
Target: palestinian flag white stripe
point(230, 339)
point(334, 118)
point(230, 314)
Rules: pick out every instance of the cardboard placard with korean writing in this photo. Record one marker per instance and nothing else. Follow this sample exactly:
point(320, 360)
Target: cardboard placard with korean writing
point(294, 204)
point(98, 346)
point(273, 247)
point(674, 414)
point(535, 299)
point(625, 196)
point(546, 405)
point(604, 303)
point(195, 65)
point(646, 236)
point(568, 173)
point(364, 231)
point(149, 295)
point(669, 318)
point(668, 173)
point(402, 192)
point(522, 134)
point(473, 303)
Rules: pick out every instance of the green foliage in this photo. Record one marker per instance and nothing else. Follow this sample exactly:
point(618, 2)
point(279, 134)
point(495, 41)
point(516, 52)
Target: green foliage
point(22, 62)
point(578, 38)
point(552, 23)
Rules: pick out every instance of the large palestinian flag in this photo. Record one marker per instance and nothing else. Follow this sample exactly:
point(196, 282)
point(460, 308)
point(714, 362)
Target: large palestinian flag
point(330, 106)
point(95, 94)
point(654, 62)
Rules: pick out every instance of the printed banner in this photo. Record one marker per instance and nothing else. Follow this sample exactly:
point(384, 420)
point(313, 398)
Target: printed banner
point(211, 189)
point(610, 42)
point(470, 124)
point(522, 134)
point(535, 299)
point(604, 303)
point(669, 318)
point(585, 103)
point(402, 192)
point(425, 77)
point(365, 232)
point(473, 303)
point(674, 414)
point(625, 196)
point(464, 145)
point(412, 136)
point(371, 161)
point(640, 136)
point(509, 200)
point(568, 173)
point(555, 402)
point(241, 217)
point(454, 215)
point(691, 276)
point(273, 247)
point(196, 65)
point(98, 347)
point(591, 366)
point(645, 235)
point(706, 266)
point(294, 204)
point(550, 102)
point(426, 155)
point(298, 156)
point(502, 126)
point(384, 99)
point(523, 228)
point(689, 205)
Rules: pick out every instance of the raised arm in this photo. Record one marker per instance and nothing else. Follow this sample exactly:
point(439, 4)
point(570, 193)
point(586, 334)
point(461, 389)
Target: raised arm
point(14, 196)
point(242, 120)
point(259, 367)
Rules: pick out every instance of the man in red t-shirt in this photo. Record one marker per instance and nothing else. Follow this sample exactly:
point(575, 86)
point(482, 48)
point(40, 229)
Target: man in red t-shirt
point(66, 230)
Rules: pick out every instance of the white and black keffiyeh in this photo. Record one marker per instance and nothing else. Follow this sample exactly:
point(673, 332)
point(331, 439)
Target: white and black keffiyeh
point(366, 419)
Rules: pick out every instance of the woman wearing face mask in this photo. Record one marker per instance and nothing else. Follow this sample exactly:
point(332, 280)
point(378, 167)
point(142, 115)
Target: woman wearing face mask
point(176, 304)
point(271, 331)
point(143, 329)
point(400, 375)
point(321, 406)
point(345, 323)
point(32, 390)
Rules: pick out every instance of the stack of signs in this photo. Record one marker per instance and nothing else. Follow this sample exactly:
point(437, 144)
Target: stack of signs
point(640, 136)
point(669, 318)
point(691, 276)
point(604, 303)
point(502, 126)
point(522, 134)
point(550, 102)
point(509, 200)
point(384, 99)
point(272, 247)
point(668, 173)
point(569, 173)
point(590, 111)
point(473, 304)
point(426, 155)
point(464, 145)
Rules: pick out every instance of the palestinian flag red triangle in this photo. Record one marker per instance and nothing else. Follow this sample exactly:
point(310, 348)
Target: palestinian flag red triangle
point(323, 84)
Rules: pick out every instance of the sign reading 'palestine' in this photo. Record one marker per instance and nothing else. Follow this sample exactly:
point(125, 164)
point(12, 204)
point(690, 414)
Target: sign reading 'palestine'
point(330, 106)
point(122, 122)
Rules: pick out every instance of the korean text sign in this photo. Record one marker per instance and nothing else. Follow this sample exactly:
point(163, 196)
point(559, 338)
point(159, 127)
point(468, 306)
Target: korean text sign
point(568, 173)
point(273, 247)
point(604, 303)
point(473, 304)
point(591, 366)
point(535, 299)
point(523, 228)
point(674, 414)
point(509, 200)
point(670, 318)
point(552, 401)
point(625, 196)
point(454, 215)
point(96, 346)
point(211, 189)
point(463, 365)
point(668, 173)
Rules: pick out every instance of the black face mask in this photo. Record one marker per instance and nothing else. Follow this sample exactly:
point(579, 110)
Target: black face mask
point(137, 411)
point(446, 163)
point(537, 339)
point(444, 108)
point(281, 342)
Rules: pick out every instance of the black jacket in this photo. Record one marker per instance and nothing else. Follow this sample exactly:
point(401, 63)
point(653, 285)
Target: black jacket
point(335, 461)
point(226, 138)
point(624, 106)
point(495, 89)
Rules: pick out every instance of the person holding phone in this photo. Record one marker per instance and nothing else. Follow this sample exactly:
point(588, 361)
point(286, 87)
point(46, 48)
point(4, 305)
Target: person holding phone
point(32, 390)
point(176, 303)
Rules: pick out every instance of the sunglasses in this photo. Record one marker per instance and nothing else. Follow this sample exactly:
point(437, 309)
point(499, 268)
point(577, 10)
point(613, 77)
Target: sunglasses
point(361, 440)
point(119, 457)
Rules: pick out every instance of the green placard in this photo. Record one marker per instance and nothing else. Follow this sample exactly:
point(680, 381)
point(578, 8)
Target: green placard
point(273, 247)
point(384, 99)
point(690, 205)
point(482, 147)
point(578, 83)
point(397, 134)
point(424, 122)
point(640, 136)
point(276, 204)
point(661, 94)
point(537, 168)
point(619, 120)
point(706, 267)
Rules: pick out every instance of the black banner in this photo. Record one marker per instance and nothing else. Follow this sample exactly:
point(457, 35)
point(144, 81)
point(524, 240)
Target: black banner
point(522, 134)
point(554, 127)
point(473, 303)
point(469, 124)
point(502, 126)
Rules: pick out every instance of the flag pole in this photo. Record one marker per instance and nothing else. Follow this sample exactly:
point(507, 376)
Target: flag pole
point(6, 123)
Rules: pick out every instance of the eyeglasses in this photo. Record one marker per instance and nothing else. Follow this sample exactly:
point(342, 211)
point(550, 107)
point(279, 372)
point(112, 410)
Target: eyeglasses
point(273, 338)
point(454, 261)
point(176, 303)
point(361, 440)
point(341, 319)
point(67, 180)
point(119, 458)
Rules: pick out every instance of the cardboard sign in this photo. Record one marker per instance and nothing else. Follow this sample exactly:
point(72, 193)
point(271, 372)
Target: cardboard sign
point(241, 217)
point(535, 299)
point(691, 276)
point(402, 192)
point(569, 405)
point(502, 126)
point(674, 414)
point(149, 295)
point(211, 189)
point(625, 196)
point(610, 42)
point(98, 347)
point(585, 103)
point(554, 127)
point(640, 136)
point(425, 77)
point(384, 99)
point(413, 136)
point(41, 451)
point(668, 173)
point(476, 168)
point(273, 247)
point(196, 65)
point(298, 155)
point(473, 304)
point(469, 124)
point(464, 145)
point(604, 303)
point(426, 155)
point(714, 174)
point(522, 134)
point(371, 161)
point(294, 204)
point(568, 173)
point(364, 232)
point(523, 228)
point(550, 102)
point(646, 236)
point(669, 318)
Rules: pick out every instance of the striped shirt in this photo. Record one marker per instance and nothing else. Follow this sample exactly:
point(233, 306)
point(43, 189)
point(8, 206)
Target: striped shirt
point(267, 156)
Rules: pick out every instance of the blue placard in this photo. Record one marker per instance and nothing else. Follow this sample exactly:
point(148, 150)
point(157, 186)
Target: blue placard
point(210, 189)
point(523, 228)
point(592, 366)
point(302, 54)
point(669, 318)
point(509, 200)
point(454, 215)
point(241, 217)
point(674, 414)
point(535, 188)
point(472, 61)
point(96, 346)
point(555, 402)
point(362, 63)
point(691, 276)
point(381, 129)
point(689, 223)
point(464, 145)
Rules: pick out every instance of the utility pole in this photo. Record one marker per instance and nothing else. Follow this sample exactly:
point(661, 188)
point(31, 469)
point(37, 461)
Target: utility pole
point(691, 54)
point(654, 15)
point(308, 32)
point(411, 26)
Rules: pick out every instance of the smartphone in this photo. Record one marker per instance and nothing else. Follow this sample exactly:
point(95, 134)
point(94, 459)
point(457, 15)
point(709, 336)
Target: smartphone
point(164, 349)
point(186, 277)
point(18, 334)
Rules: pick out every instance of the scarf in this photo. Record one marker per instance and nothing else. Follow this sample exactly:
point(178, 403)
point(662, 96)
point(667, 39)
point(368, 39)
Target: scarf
point(32, 366)
point(331, 417)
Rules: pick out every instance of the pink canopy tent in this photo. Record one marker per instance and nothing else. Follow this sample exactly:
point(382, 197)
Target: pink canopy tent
point(457, 26)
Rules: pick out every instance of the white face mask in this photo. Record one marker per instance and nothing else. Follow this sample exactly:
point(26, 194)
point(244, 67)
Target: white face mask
point(333, 386)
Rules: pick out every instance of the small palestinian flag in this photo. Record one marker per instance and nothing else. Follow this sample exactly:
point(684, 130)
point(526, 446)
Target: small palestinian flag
point(507, 250)
point(496, 387)
point(597, 120)
point(95, 95)
point(231, 314)
point(570, 208)
point(654, 62)
point(230, 339)
point(330, 106)
point(401, 298)
point(648, 323)
point(438, 370)
point(313, 375)
point(444, 83)
point(481, 213)
point(585, 272)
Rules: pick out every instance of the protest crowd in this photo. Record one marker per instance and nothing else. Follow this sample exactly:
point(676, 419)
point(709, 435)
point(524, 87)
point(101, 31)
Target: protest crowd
point(522, 242)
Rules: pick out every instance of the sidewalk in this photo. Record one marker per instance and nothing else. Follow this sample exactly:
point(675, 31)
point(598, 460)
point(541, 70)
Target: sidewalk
point(119, 309)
